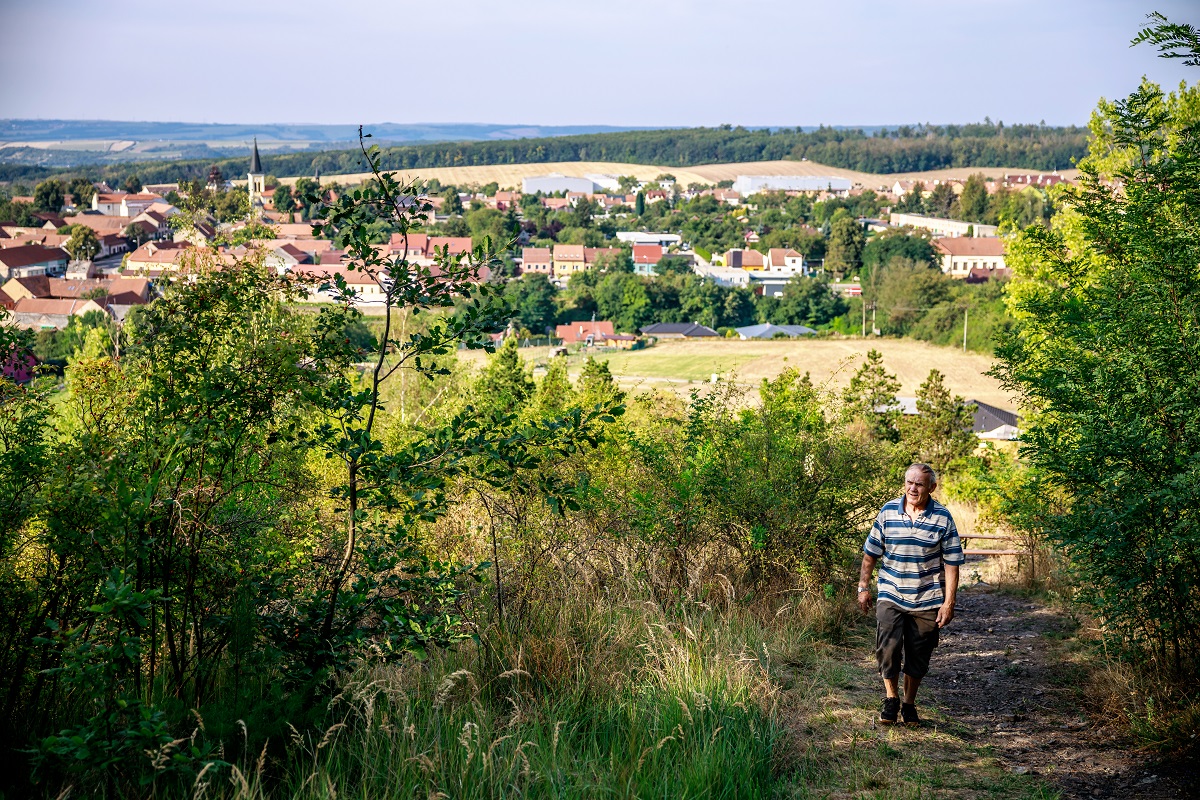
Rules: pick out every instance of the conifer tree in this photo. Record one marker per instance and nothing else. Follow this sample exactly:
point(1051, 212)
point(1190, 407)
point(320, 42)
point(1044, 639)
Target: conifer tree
point(504, 385)
point(940, 433)
point(554, 393)
point(596, 383)
point(871, 397)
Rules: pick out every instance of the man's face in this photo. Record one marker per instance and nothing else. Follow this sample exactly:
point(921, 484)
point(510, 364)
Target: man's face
point(916, 488)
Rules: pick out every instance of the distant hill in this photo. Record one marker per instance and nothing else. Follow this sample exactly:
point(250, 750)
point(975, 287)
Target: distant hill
point(66, 130)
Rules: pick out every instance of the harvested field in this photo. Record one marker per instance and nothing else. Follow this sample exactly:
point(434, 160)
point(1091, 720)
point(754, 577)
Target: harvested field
point(509, 176)
point(829, 361)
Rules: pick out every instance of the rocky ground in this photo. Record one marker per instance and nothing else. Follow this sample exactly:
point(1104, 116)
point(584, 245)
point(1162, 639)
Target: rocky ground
point(1003, 672)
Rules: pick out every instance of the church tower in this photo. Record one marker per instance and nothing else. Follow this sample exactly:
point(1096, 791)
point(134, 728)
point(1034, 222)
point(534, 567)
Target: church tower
point(257, 182)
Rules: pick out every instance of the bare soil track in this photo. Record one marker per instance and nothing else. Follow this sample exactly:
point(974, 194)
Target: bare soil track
point(1000, 673)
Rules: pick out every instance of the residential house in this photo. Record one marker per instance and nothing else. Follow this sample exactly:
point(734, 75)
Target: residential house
point(50, 221)
point(107, 203)
point(101, 223)
point(960, 256)
point(556, 203)
point(112, 244)
point(503, 201)
point(942, 227)
point(1041, 179)
point(454, 245)
point(41, 313)
point(990, 422)
point(725, 276)
point(80, 270)
point(586, 332)
point(416, 245)
point(27, 286)
point(6, 301)
point(122, 291)
point(784, 261)
point(537, 260)
point(156, 258)
point(594, 255)
point(39, 238)
point(652, 237)
point(678, 330)
point(768, 284)
point(370, 293)
point(646, 256)
point(744, 259)
point(162, 227)
point(730, 197)
point(568, 259)
point(32, 259)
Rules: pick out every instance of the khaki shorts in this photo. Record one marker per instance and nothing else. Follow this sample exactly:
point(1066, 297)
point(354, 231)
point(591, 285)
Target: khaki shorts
point(904, 640)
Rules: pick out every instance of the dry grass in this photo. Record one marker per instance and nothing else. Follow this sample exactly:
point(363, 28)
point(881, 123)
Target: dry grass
point(676, 364)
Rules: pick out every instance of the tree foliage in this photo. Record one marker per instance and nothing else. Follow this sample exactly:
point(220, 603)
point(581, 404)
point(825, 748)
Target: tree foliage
point(1105, 353)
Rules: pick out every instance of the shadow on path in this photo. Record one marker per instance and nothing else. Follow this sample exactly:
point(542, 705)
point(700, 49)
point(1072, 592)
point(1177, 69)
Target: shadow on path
point(1002, 672)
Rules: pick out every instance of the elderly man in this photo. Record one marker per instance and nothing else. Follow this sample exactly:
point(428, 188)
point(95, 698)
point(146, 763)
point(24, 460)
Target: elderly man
point(918, 550)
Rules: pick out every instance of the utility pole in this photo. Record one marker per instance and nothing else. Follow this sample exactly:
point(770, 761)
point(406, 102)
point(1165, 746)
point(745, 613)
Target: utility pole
point(966, 314)
point(864, 327)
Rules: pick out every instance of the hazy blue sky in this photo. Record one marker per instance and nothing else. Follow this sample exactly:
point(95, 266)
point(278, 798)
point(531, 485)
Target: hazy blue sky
point(620, 62)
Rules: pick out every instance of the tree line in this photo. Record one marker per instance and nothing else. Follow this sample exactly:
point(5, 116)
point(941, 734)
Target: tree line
point(1033, 147)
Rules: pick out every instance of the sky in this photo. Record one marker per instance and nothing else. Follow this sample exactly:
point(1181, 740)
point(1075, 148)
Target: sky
point(577, 62)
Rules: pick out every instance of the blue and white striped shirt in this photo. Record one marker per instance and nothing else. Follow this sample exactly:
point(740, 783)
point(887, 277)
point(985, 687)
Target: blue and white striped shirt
point(911, 552)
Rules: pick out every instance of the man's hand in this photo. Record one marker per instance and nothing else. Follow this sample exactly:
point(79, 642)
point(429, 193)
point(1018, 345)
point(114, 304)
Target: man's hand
point(864, 579)
point(945, 614)
point(864, 601)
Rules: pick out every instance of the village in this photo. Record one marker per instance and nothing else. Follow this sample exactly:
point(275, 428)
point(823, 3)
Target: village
point(137, 245)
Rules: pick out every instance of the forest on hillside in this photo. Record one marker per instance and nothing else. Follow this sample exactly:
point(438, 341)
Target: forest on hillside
point(903, 149)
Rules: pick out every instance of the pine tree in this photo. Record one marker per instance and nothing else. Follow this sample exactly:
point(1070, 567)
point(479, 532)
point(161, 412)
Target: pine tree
point(639, 204)
point(940, 433)
point(871, 397)
point(596, 383)
point(554, 393)
point(504, 386)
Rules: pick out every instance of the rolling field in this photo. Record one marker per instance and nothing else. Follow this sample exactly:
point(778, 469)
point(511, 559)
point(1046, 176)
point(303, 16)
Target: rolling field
point(831, 362)
point(509, 175)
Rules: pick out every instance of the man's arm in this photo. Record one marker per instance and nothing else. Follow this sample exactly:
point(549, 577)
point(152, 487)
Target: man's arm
point(864, 580)
point(946, 612)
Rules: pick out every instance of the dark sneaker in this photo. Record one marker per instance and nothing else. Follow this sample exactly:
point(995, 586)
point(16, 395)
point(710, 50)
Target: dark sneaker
point(908, 712)
point(891, 707)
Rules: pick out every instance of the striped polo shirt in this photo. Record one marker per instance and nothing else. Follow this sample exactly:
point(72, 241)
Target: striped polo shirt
point(911, 553)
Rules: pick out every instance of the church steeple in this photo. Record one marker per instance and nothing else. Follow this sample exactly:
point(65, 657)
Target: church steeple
point(256, 183)
point(255, 164)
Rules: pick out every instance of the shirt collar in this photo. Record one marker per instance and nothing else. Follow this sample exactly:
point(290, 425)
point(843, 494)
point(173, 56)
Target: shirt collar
point(922, 513)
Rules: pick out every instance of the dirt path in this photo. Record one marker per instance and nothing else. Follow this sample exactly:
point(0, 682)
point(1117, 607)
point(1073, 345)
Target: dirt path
point(1002, 671)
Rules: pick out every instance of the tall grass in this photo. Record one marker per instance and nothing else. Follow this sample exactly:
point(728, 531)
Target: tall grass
point(590, 699)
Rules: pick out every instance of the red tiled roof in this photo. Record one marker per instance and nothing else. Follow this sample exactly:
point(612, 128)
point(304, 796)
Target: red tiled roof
point(568, 252)
point(970, 246)
point(25, 255)
point(36, 285)
point(417, 243)
point(591, 254)
point(647, 253)
point(535, 255)
point(579, 331)
point(456, 244)
point(46, 305)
